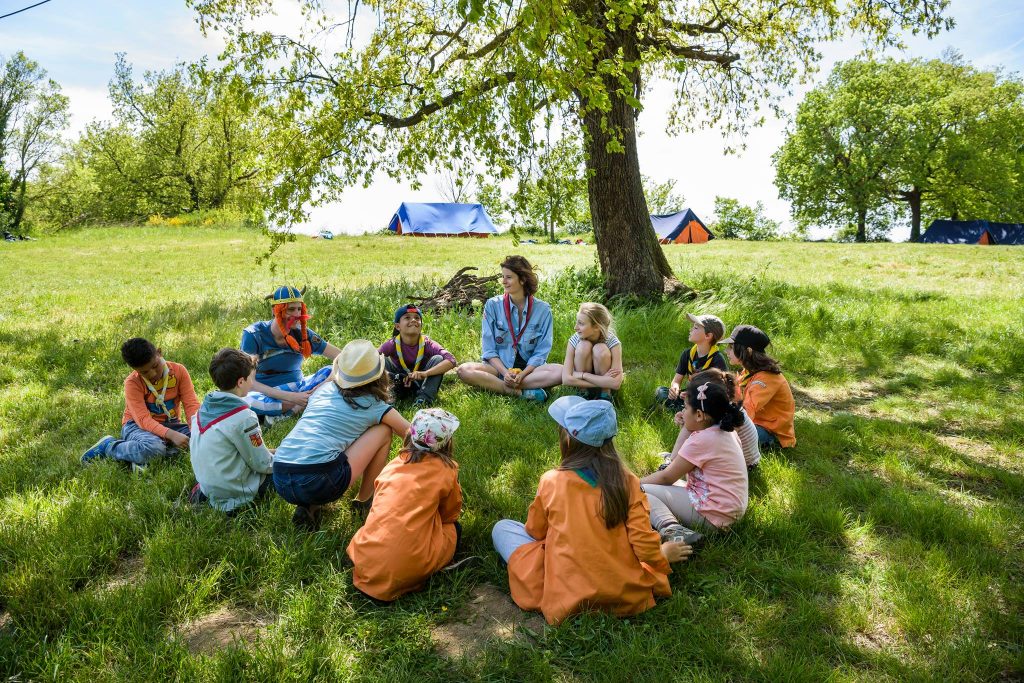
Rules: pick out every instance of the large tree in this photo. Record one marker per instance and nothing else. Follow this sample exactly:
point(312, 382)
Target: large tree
point(442, 78)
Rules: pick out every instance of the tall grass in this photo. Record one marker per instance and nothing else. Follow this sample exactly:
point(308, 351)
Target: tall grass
point(886, 545)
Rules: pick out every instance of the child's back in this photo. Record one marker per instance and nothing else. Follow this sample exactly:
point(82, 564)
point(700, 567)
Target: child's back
point(580, 564)
point(410, 532)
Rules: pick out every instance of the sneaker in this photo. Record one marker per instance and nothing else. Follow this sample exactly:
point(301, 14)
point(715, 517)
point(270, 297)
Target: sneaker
point(270, 420)
point(305, 520)
point(666, 460)
point(677, 533)
point(421, 403)
point(361, 507)
point(196, 496)
point(138, 469)
point(538, 395)
point(98, 450)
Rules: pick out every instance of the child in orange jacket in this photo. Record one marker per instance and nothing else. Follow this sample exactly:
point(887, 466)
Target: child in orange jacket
point(766, 395)
point(412, 529)
point(587, 544)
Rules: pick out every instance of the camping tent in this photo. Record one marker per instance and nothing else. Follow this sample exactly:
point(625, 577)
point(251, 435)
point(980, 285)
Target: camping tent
point(973, 232)
point(681, 228)
point(442, 220)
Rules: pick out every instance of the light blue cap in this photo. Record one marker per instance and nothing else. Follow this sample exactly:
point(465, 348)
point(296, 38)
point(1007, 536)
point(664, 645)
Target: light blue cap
point(591, 422)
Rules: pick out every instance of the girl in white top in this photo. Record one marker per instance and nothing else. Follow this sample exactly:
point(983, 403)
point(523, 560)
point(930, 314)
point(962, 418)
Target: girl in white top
point(593, 356)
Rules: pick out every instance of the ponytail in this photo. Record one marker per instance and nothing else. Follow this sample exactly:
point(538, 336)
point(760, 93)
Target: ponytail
point(715, 401)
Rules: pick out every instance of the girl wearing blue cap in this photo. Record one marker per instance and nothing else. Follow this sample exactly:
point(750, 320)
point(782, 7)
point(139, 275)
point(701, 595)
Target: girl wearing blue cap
point(516, 337)
point(280, 345)
point(587, 543)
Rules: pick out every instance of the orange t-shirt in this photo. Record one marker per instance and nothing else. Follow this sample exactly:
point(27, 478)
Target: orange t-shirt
point(410, 531)
point(577, 564)
point(140, 403)
point(768, 401)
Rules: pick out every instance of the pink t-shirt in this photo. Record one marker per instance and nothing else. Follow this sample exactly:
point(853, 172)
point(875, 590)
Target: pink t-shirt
point(718, 482)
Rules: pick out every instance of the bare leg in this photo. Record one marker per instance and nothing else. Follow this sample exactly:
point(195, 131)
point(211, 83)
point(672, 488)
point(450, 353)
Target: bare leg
point(602, 359)
point(484, 376)
point(368, 455)
point(547, 375)
point(582, 357)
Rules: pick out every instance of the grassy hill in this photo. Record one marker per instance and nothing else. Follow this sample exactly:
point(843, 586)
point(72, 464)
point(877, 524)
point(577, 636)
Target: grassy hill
point(885, 546)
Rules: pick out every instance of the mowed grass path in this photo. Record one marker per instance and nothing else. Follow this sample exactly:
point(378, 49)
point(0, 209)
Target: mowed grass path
point(885, 546)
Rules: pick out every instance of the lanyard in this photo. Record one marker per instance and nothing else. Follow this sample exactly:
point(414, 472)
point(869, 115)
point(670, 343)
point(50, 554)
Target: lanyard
point(163, 392)
point(707, 363)
point(508, 316)
point(401, 357)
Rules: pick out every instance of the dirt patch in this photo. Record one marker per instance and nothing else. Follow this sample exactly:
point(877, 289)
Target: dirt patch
point(129, 570)
point(490, 615)
point(224, 628)
point(855, 398)
point(980, 451)
point(5, 620)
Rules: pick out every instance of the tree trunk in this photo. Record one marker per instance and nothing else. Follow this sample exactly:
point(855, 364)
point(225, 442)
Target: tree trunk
point(631, 258)
point(914, 199)
point(862, 225)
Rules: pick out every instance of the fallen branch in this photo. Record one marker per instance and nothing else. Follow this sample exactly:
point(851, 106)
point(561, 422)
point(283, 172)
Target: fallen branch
point(458, 293)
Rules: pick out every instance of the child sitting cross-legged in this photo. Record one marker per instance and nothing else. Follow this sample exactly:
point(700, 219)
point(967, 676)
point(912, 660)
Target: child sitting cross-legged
point(159, 403)
point(715, 494)
point(415, 363)
point(344, 433)
point(587, 544)
point(231, 463)
point(767, 396)
point(593, 356)
point(412, 529)
point(705, 331)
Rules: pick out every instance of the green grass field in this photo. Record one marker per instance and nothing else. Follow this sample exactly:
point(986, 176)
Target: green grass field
point(885, 546)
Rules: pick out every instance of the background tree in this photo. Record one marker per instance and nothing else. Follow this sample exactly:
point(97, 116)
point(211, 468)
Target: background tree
point(552, 193)
point(662, 198)
point(737, 221)
point(33, 114)
point(467, 77)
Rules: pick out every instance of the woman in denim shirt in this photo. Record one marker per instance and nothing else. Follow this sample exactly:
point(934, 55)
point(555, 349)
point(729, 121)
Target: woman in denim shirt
point(516, 339)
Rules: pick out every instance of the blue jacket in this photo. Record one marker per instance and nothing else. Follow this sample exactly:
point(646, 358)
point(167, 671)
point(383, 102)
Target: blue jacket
point(496, 339)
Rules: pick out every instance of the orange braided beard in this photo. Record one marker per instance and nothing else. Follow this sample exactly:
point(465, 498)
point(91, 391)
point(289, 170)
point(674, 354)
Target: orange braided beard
point(285, 323)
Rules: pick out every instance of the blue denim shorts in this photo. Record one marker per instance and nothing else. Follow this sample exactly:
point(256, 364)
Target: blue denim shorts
point(314, 484)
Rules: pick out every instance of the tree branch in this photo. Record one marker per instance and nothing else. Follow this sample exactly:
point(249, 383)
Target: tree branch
point(391, 121)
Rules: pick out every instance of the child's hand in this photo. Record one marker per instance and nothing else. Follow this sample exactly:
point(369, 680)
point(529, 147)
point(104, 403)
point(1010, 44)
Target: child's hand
point(299, 398)
point(177, 438)
point(673, 391)
point(614, 373)
point(676, 552)
point(418, 376)
point(678, 418)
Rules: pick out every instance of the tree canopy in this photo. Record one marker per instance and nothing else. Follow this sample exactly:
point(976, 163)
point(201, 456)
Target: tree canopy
point(939, 136)
point(467, 78)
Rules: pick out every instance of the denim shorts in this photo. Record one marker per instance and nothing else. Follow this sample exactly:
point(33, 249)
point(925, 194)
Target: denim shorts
point(313, 484)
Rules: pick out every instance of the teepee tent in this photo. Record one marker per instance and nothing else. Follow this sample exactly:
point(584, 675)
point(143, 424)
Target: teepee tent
point(682, 227)
point(442, 220)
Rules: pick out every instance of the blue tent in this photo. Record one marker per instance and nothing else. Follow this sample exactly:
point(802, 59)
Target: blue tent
point(973, 232)
point(682, 227)
point(442, 220)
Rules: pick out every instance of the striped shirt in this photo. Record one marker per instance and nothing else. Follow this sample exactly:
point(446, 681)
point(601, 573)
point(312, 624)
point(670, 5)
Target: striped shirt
point(611, 341)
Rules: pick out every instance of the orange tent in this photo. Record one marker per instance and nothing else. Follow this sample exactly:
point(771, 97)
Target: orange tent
point(681, 228)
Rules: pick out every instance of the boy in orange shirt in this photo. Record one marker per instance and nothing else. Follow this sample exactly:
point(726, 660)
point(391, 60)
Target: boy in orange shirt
point(412, 529)
point(767, 396)
point(159, 404)
point(587, 544)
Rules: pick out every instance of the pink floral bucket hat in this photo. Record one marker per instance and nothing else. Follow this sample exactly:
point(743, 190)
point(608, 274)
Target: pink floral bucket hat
point(432, 428)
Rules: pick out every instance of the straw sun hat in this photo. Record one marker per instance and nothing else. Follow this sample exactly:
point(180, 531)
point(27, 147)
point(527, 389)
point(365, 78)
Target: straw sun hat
point(357, 364)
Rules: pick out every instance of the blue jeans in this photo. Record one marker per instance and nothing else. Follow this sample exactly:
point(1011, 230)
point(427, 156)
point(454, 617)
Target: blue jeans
point(766, 439)
point(507, 535)
point(316, 484)
point(139, 446)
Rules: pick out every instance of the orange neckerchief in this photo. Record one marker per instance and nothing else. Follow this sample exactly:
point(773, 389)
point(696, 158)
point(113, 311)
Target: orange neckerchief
point(305, 348)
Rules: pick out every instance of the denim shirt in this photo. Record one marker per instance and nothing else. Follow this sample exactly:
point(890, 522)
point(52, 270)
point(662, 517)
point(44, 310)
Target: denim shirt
point(496, 338)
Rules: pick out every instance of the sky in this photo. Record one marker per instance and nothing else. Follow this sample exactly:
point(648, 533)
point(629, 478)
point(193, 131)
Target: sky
point(76, 42)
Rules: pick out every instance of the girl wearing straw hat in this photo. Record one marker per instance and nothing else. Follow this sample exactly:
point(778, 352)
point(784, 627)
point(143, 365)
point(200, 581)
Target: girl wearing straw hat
point(344, 433)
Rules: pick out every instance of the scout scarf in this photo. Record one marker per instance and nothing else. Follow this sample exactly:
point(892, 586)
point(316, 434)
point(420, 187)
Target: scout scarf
point(691, 368)
point(285, 324)
point(508, 317)
point(159, 398)
point(401, 356)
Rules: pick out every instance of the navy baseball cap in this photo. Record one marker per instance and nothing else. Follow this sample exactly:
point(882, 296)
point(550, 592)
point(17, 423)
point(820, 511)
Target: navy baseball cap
point(748, 335)
point(407, 308)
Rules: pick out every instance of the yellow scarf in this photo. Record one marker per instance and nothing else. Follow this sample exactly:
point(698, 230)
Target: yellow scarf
point(401, 357)
point(691, 368)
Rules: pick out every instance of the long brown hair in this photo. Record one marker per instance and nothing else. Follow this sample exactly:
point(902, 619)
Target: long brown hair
point(379, 389)
point(413, 453)
point(611, 475)
point(524, 271)
point(756, 361)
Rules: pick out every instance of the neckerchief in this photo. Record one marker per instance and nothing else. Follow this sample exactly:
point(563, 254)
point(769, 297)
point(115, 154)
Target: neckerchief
point(508, 316)
point(159, 398)
point(401, 357)
point(744, 380)
point(691, 368)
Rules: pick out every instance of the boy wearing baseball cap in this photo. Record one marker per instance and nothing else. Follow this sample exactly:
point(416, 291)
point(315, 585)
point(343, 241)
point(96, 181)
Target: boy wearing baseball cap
point(705, 331)
point(415, 363)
